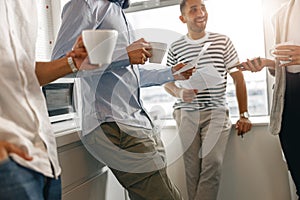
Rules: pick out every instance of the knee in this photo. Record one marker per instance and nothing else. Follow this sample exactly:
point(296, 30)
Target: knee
point(213, 164)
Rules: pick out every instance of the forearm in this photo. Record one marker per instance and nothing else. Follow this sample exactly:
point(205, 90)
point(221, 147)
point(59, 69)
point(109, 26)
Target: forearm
point(47, 72)
point(241, 93)
point(172, 89)
point(270, 63)
point(155, 77)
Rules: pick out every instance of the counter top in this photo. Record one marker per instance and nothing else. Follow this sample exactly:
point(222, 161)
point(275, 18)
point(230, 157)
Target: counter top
point(67, 137)
point(66, 132)
point(256, 121)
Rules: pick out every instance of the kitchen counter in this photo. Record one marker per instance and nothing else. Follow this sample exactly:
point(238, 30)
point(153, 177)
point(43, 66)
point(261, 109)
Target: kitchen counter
point(83, 177)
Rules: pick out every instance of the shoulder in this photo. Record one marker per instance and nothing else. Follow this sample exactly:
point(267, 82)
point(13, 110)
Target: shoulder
point(280, 13)
point(219, 39)
point(218, 36)
point(179, 40)
point(94, 2)
point(283, 8)
point(177, 43)
point(81, 5)
point(74, 7)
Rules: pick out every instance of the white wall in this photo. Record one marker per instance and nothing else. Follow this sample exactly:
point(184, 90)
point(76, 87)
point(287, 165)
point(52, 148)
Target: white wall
point(253, 167)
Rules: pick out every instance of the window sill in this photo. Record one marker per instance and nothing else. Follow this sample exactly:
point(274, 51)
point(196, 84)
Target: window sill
point(256, 121)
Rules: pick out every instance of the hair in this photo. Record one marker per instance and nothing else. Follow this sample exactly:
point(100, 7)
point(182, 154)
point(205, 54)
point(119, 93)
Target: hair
point(182, 5)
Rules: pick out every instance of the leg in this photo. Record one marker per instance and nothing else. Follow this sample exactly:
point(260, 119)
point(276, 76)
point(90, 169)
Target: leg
point(188, 127)
point(214, 136)
point(204, 135)
point(148, 186)
point(19, 183)
point(52, 188)
point(138, 162)
point(289, 135)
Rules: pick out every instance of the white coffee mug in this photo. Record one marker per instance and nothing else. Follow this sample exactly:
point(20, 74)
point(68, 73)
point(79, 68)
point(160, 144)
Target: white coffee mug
point(158, 51)
point(100, 45)
point(273, 49)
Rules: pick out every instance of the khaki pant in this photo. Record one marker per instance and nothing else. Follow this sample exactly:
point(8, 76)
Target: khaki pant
point(204, 136)
point(138, 163)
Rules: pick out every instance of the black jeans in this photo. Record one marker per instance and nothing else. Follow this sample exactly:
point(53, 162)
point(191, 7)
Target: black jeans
point(290, 129)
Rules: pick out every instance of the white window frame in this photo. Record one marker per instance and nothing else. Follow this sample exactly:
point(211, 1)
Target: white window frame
point(261, 53)
point(269, 7)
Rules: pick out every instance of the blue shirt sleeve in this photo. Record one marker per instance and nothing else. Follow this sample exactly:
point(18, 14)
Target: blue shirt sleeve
point(77, 15)
point(155, 77)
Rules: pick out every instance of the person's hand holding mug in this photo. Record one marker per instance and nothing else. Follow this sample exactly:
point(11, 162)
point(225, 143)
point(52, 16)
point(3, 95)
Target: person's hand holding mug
point(139, 51)
point(287, 53)
point(78, 52)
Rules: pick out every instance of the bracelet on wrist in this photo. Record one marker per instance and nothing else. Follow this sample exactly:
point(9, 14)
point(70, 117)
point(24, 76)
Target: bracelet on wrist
point(72, 65)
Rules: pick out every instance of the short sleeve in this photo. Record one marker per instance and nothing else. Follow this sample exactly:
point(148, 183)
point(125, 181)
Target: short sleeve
point(230, 54)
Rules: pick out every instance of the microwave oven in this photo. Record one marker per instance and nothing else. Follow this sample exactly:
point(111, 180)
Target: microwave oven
point(63, 103)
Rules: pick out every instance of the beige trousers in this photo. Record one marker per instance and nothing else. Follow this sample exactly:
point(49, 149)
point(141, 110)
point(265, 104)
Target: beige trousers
point(136, 156)
point(204, 136)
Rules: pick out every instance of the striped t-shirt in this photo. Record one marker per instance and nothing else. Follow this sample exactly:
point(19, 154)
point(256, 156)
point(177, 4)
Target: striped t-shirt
point(221, 55)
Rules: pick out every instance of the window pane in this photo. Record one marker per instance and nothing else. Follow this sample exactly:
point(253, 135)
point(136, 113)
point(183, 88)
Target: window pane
point(243, 26)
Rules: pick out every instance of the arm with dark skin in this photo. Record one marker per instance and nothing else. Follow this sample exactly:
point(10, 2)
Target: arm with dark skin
point(243, 125)
point(47, 72)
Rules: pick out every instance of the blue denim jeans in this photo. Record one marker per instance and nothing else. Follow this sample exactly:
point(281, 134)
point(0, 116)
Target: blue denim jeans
point(20, 183)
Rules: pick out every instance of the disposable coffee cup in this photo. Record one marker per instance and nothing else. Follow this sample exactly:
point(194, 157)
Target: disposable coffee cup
point(158, 51)
point(100, 45)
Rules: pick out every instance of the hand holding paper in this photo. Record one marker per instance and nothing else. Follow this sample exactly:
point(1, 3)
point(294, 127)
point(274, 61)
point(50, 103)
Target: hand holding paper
point(193, 63)
point(203, 78)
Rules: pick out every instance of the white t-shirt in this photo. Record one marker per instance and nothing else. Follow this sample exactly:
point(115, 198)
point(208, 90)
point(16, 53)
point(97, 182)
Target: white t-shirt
point(23, 114)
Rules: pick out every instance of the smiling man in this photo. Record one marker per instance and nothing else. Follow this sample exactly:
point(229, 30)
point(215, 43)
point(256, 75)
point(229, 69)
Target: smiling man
point(201, 110)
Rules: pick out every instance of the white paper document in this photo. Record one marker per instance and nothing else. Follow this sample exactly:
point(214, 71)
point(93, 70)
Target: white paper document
point(203, 78)
point(193, 63)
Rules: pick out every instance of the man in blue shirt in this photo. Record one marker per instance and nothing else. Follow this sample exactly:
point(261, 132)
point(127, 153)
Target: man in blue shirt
point(116, 129)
